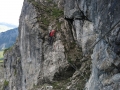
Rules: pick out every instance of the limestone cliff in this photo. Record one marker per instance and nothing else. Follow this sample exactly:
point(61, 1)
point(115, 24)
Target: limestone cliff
point(86, 31)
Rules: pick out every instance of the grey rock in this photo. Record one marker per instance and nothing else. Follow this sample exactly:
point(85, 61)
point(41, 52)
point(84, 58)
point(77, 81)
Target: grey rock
point(38, 63)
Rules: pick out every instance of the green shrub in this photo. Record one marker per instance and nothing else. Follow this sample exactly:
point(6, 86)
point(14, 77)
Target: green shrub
point(69, 60)
point(56, 85)
point(56, 12)
point(45, 21)
point(5, 50)
point(5, 83)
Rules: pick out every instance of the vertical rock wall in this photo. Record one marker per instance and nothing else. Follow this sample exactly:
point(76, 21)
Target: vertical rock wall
point(32, 61)
point(104, 15)
point(13, 69)
point(35, 61)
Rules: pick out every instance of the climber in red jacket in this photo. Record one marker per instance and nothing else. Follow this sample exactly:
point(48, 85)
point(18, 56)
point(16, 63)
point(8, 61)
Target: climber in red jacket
point(51, 37)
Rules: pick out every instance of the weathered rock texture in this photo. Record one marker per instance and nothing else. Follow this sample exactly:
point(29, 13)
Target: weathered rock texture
point(1, 75)
point(32, 61)
point(34, 64)
point(104, 15)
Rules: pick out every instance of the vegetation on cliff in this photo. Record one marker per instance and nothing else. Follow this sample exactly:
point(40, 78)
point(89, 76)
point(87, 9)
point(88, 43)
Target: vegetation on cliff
point(47, 13)
point(1, 56)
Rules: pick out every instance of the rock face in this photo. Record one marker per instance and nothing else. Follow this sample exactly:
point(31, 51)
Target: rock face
point(105, 24)
point(33, 61)
point(34, 64)
point(1, 75)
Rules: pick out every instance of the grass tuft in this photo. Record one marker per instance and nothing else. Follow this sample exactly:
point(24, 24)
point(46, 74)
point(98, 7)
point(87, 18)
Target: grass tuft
point(6, 83)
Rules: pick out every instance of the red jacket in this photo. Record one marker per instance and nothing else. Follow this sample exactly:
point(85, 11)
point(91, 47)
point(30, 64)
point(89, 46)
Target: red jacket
point(52, 33)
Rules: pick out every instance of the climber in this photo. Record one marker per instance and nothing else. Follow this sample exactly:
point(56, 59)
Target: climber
point(51, 37)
